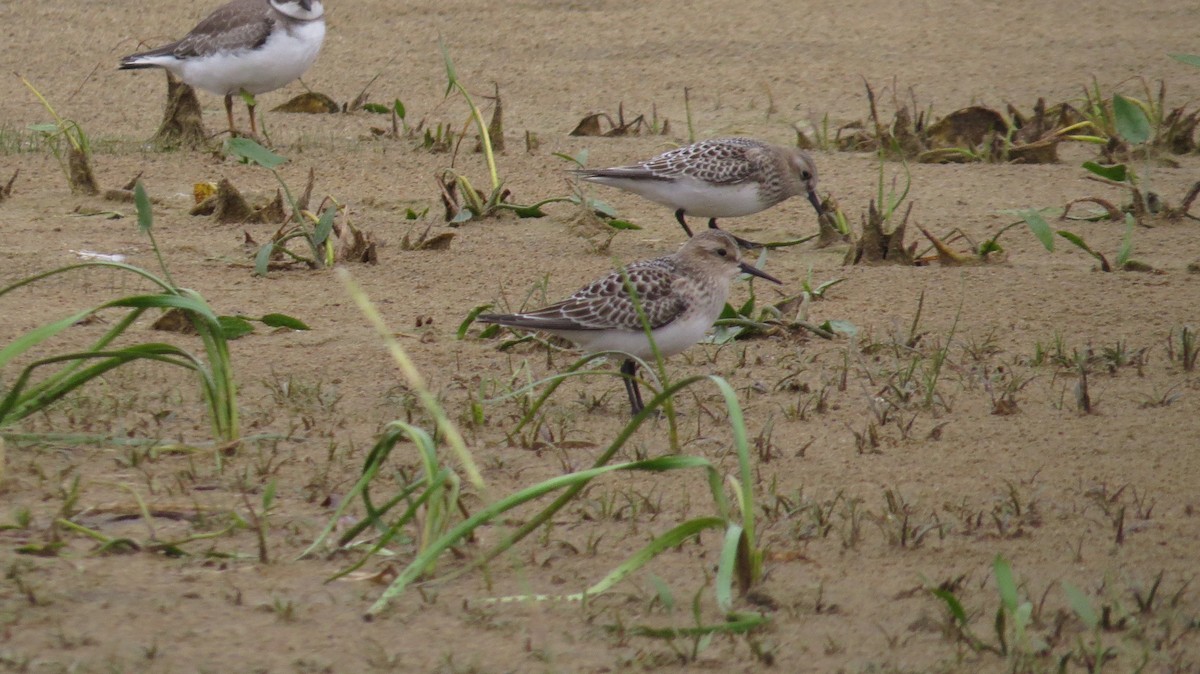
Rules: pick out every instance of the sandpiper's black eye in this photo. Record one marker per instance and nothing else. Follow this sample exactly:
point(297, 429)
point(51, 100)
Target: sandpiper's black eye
point(721, 252)
point(806, 175)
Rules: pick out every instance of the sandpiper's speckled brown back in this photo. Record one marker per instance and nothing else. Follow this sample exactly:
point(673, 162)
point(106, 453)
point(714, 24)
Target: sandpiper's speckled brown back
point(668, 288)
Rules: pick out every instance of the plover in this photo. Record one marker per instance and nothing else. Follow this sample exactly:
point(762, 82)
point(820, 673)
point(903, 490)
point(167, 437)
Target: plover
point(253, 46)
point(681, 295)
point(719, 178)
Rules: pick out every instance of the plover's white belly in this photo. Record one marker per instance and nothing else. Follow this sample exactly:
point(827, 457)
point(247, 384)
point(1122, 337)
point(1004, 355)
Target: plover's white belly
point(696, 197)
point(282, 58)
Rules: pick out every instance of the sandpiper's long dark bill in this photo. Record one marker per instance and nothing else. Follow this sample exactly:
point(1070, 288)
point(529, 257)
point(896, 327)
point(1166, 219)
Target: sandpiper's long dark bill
point(720, 178)
point(681, 296)
point(251, 46)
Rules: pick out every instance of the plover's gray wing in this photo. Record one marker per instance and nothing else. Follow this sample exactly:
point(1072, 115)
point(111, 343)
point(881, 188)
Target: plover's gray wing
point(606, 304)
point(232, 27)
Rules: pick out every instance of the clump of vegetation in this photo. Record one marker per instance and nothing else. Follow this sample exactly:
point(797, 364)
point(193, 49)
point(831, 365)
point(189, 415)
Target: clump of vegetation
point(1122, 261)
point(974, 133)
point(979, 133)
point(76, 158)
point(327, 240)
point(28, 395)
point(428, 503)
point(182, 124)
point(603, 124)
point(882, 238)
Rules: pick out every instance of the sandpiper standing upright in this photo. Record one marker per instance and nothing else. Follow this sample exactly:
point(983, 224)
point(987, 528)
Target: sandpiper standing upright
point(251, 46)
point(681, 296)
point(719, 178)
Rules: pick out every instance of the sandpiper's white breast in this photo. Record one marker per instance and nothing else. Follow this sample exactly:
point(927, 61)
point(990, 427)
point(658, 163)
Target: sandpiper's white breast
point(697, 197)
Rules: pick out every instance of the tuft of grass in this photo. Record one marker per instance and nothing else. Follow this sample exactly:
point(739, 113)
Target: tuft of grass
point(434, 491)
point(311, 229)
point(27, 396)
point(1123, 259)
point(76, 160)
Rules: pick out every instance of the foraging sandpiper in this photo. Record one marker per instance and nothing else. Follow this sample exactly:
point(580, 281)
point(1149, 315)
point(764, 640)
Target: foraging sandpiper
point(251, 46)
point(681, 296)
point(720, 178)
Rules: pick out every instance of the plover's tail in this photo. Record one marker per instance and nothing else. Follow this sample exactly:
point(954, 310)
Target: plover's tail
point(155, 58)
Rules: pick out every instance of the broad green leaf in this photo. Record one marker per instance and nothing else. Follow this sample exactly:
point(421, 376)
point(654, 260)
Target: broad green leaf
point(44, 128)
point(142, 202)
point(248, 150)
point(284, 321)
point(1131, 121)
point(1116, 173)
point(1039, 227)
point(324, 226)
point(234, 327)
point(263, 258)
point(398, 107)
point(1190, 59)
point(377, 108)
point(607, 211)
point(1081, 605)
point(840, 327)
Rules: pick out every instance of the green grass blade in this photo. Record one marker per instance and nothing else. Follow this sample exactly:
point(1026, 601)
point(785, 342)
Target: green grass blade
point(1005, 585)
point(1126, 250)
point(1081, 605)
point(38, 335)
point(725, 568)
point(1078, 241)
point(580, 478)
point(461, 333)
point(952, 604)
point(428, 400)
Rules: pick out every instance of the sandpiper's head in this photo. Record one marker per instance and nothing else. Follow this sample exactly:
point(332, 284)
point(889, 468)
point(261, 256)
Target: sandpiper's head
point(301, 10)
point(804, 171)
point(717, 252)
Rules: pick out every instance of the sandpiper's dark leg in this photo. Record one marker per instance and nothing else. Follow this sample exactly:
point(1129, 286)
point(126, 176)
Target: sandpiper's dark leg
point(629, 369)
point(742, 243)
point(229, 113)
point(679, 217)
